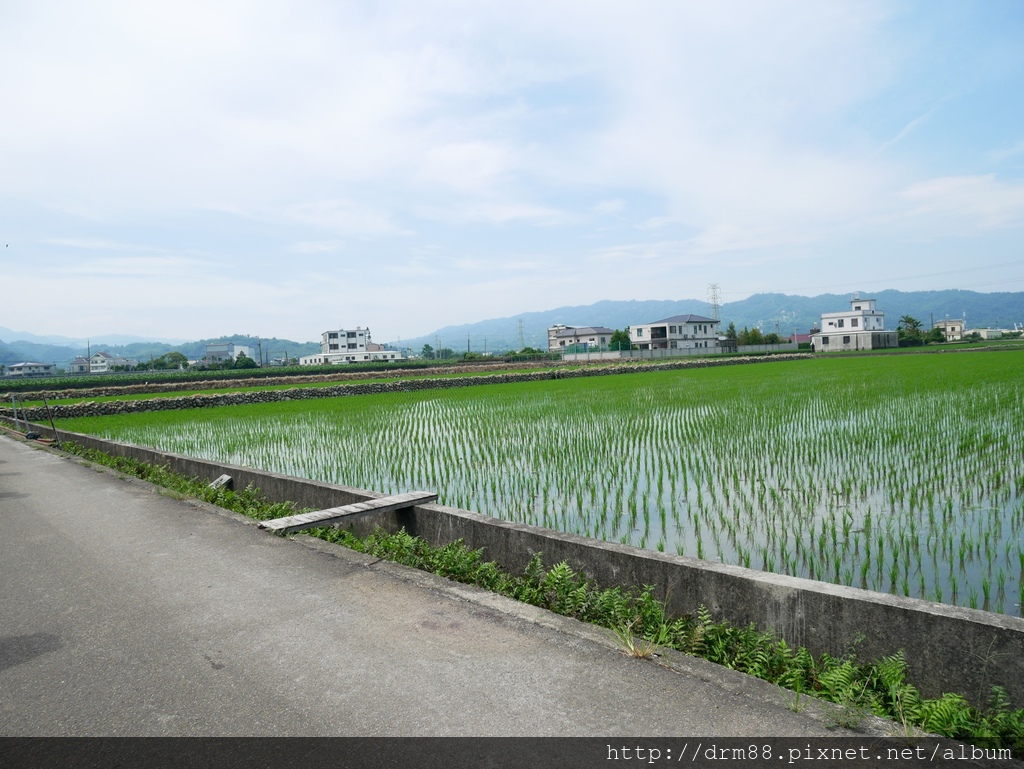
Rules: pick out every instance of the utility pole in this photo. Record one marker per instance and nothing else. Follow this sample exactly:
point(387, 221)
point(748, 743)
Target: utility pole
point(522, 343)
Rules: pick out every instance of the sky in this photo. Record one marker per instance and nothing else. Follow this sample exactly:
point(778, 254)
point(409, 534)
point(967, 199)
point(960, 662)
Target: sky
point(188, 170)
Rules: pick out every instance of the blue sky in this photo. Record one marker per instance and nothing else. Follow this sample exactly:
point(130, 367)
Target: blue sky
point(192, 169)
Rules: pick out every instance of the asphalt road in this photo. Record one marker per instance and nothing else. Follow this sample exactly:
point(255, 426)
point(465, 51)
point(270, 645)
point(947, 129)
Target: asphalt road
point(126, 612)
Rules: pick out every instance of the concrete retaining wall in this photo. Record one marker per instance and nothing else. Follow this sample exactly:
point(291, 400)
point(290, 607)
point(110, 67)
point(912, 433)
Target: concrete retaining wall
point(949, 649)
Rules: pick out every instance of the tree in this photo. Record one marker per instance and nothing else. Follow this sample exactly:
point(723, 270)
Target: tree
point(244, 361)
point(908, 330)
point(730, 331)
point(175, 360)
point(427, 352)
point(750, 336)
point(445, 353)
point(620, 340)
point(909, 323)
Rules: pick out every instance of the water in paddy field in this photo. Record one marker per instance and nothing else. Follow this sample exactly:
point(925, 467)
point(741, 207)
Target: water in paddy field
point(896, 494)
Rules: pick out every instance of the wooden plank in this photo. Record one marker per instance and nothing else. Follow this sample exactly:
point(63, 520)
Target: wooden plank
point(224, 480)
point(334, 515)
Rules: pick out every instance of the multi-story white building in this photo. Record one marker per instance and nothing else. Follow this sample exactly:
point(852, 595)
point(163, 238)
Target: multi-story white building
point(345, 341)
point(349, 346)
point(675, 333)
point(862, 327)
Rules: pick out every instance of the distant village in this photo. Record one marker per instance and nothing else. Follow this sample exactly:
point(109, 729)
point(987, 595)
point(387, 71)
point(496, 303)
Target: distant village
point(861, 326)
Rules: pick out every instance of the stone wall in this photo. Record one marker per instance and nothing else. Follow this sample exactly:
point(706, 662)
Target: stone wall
point(106, 408)
point(152, 388)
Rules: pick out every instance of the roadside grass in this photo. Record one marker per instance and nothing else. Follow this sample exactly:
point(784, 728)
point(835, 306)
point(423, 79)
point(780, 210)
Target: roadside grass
point(640, 623)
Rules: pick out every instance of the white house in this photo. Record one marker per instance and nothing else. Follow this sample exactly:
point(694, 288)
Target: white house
point(31, 369)
point(218, 351)
point(99, 363)
point(80, 365)
point(677, 332)
point(988, 333)
point(104, 362)
point(862, 327)
point(952, 329)
point(586, 337)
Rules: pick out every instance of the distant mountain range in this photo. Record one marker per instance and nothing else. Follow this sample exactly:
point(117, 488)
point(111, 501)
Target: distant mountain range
point(783, 313)
point(66, 341)
point(28, 347)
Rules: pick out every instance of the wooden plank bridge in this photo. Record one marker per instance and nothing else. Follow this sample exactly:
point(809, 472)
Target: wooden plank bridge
point(333, 515)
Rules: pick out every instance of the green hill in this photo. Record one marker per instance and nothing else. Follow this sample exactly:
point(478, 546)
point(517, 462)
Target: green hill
point(783, 313)
point(62, 355)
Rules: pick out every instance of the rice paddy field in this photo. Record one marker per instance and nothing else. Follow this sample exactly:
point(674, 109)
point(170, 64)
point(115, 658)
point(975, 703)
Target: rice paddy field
point(902, 474)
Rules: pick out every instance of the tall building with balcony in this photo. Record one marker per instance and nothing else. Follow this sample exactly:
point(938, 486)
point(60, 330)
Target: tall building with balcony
point(676, 333)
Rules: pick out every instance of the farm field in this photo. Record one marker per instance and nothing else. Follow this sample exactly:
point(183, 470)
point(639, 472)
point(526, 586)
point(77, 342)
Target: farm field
point(34, 401)
point(898, 473)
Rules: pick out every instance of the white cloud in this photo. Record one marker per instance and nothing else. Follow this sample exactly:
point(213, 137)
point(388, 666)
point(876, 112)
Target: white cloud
point(609, 207)
point(96, 244)
point(470, 210)
point(908, 129)
point(127, 269)
point(317, 246)
point(968, 201)
point(1008, 151)
point(346, 217)
point(443, 140)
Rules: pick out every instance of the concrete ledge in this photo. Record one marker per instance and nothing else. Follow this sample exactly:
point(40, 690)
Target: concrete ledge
point(948, 648)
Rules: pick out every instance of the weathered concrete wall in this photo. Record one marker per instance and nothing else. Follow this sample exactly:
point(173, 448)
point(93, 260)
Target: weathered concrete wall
point(948, 648)
point(761, 348)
